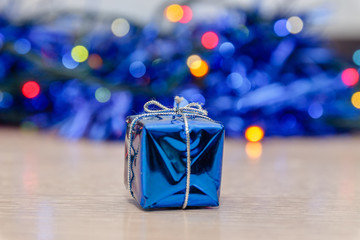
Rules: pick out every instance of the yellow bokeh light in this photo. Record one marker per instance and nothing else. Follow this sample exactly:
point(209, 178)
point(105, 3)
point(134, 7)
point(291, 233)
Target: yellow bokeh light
point(120, 27)
point(79, 53)
point(254, 133)
point(201, 70)
point(355, 100)
point(174, 13)
point(194, 61)
point(253, 150)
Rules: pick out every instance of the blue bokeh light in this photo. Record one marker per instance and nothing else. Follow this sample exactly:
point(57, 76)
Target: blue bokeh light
point(227, 49)
point(137, 69)
point(6, 100)
point(315, 110)
point(68, 61)
point(280, 28)
point(22, 46)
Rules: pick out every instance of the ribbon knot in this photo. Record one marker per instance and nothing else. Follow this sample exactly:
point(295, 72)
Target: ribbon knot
point(191, 108)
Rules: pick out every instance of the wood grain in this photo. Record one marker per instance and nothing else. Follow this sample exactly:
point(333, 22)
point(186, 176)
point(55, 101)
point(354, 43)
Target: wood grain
point(51, 188)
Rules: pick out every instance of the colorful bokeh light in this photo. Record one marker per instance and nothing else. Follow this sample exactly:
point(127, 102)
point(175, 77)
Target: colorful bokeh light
point(209, 40)
point(356, 57)
point(355, 100)
point(199, 70)
point(254, 133)
point(294, 25)
point(102, 94)
point(137, 69)
point(350, 77)
point(253, 150)
point(22, 46)
point(193, 61)
point(174, 13)
point(30, 89)
point(95, 61)
point(79, 53)
point(187, 14)
point(120, 27)
point(280, 28)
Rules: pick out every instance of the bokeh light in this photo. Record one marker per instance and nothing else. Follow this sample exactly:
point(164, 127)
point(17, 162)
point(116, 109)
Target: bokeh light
point(187, 14)
point(227, 49)
point(350, 77)
point(294, 25)
point(120, 27)
point(355, 100)
point(79, 53)
point(102, 94)
point(68, 61)
point(22, 46)
point(30, 89)
point(95, 61)
point(174, 13)
point(254, 133)
point(253, 150)
point(137, 69)
point(280, 28)
point(201, 70)
point(209, 40)
point(193, 61)
point(315, 110)
point(356, 57)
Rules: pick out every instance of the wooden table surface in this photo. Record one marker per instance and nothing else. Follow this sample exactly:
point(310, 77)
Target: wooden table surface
point(299, 188)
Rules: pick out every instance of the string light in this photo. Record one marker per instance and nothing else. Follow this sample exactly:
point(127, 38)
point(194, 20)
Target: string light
point(102, 94)
point(356, 57)
point(280, 28)
point(209, 40)
point(193, 61)
point(68, 61)
point(315, 110)
point(30, 89)
point(174, 13)
point(355, 100)
point(227, 49)
point(187, 14)
point(201, 70)
point(350, 77)
point(120, 27)
point(137, 69)
point(254, 133)
point(294, 25)
point(95, 61)
point(253, 150)
point(22, 46)
point(79, 53)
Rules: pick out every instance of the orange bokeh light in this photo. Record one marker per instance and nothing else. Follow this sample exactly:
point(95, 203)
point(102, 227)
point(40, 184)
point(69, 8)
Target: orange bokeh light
point(199, 68)
point(95, 61)
point(174, 13)
point(254, 133)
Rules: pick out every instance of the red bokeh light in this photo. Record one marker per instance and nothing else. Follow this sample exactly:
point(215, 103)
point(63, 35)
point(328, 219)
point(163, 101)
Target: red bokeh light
point(350, 76)
point(31, 89)
point(209, 40)
point(187, 16)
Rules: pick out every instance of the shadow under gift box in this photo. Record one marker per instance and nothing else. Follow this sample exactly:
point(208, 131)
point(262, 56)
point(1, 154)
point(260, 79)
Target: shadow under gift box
point(158, 160)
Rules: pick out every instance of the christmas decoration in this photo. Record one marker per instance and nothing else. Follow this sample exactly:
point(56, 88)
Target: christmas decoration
point(82, 75)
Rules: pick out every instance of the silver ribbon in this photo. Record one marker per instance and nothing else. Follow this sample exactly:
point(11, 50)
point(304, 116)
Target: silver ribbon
point(190, 110)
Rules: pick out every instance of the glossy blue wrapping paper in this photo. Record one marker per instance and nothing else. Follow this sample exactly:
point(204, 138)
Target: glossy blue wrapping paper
point(159, 159)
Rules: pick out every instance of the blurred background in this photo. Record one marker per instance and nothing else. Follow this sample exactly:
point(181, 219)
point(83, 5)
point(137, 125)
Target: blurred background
point(263, 68)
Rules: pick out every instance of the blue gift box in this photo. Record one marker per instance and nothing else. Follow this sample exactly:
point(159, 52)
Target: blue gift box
point(157, 159)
